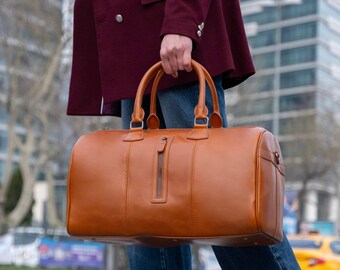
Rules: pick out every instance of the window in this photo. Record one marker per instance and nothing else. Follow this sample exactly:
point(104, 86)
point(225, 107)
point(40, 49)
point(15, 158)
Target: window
point(25, 238)
point(298, 55)
point(307, 7)
point(297, 78)
point(297, 102)
point(253, 107)
point(264, 61)
point(268, 15)
point(261, 83)
point(262, 39)
point(297, 125)
point(298, 32)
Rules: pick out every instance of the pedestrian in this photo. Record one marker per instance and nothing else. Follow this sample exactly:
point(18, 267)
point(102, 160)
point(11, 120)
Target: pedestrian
point(117, 41)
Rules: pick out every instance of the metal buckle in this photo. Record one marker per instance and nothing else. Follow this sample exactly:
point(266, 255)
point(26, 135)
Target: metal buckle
point(206, 121)
point(142, 125)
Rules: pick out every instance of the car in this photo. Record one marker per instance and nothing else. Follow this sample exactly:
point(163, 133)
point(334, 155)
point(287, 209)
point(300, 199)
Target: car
point(24, 249)
point(20, 246)
point(316, 252)
point(5, 249)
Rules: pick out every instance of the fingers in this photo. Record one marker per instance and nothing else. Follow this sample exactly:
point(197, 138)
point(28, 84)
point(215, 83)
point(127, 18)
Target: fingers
point(186, 60)
point(174, 64)
point(167, 67)
point(175, 54)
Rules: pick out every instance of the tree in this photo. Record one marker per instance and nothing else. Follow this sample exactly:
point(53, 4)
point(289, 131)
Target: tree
point(31, 50)
point(37, 72)
point(13, 195)
point(313, 156)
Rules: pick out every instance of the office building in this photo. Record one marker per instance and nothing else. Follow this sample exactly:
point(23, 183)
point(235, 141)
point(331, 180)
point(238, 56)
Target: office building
point(296, 91)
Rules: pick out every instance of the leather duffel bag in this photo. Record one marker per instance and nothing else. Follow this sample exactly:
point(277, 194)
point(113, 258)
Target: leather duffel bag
point(165, 187)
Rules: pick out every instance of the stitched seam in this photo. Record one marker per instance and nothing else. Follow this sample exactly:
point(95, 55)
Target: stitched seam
point(257, 169)
point(154, 173)
point(166, 168)
point(127, 161)
point(193, 188)
point(277, 258)
point(277, 203)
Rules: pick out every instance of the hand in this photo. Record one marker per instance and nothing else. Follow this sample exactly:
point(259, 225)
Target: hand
point(176, 54)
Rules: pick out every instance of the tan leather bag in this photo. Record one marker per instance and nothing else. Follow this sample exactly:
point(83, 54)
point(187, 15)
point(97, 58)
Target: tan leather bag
point(164, 187)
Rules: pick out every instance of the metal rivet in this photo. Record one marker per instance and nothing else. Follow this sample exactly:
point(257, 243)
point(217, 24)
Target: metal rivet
point(277, 156)
point(199, 33)
point(119, 18)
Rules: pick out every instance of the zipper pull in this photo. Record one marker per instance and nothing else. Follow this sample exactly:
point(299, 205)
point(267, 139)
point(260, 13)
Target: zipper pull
point(161, 145)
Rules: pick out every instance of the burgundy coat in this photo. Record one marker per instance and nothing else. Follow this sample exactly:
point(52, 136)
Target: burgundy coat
point(116, 41)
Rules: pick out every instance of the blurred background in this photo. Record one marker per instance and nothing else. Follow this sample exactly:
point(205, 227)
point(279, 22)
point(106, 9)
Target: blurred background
point(295, 94)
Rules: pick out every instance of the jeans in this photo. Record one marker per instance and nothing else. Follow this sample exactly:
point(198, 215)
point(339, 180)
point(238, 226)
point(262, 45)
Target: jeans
point(175, 109)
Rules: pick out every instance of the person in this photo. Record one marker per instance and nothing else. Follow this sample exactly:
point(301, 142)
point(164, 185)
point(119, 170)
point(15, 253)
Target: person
point(116, 42)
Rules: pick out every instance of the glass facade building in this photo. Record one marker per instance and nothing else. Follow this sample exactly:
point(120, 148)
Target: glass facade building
point(295, 46)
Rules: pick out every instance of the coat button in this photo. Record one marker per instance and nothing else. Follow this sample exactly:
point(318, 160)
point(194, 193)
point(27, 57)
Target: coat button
point(119, 18)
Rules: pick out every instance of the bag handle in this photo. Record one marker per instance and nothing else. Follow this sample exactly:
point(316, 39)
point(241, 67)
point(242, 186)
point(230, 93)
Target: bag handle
point(201, 112)
point(215, 117)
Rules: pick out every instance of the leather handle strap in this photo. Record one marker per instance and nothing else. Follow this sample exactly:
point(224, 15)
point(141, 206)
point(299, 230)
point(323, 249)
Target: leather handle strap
point(200, 112)
point(215, 118)
point(138, 112)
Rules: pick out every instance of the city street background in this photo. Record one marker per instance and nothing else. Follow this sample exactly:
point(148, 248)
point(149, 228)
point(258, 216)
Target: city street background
point(295, 94)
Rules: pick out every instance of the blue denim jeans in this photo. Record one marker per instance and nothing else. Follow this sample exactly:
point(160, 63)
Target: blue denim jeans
point(175, 109)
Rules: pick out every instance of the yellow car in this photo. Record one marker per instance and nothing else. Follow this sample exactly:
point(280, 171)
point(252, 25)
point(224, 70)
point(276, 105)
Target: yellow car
point(316, 252)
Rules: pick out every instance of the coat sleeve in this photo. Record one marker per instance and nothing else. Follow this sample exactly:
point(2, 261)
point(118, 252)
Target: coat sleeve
point(185, 17)
point(85, 95)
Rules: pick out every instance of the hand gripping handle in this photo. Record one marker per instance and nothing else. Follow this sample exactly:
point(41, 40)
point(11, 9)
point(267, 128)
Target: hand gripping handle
point(215, 117)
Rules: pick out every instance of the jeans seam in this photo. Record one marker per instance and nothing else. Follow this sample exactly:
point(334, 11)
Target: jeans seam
point(162, 256)
point(277, 258)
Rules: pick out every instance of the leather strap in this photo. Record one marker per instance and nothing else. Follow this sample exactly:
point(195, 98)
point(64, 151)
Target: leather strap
point(200, 130)
point(200, 110)
point(215, 118)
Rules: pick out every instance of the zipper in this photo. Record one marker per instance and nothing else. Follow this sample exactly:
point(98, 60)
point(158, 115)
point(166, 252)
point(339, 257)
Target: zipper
point(160, 150)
